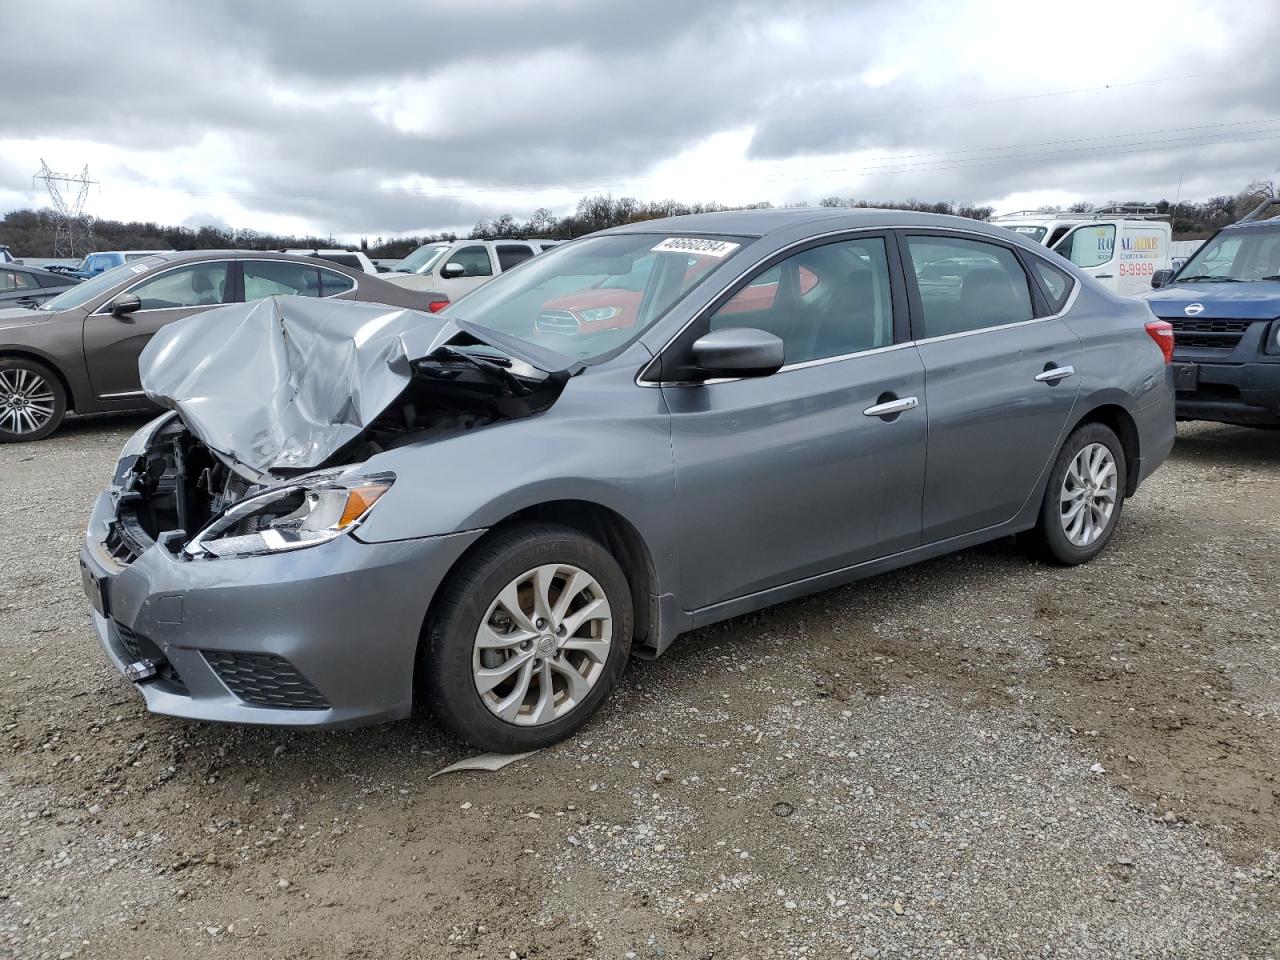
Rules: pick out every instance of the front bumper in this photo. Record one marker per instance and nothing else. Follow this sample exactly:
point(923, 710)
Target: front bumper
point(1243, 393)
point(321, 637)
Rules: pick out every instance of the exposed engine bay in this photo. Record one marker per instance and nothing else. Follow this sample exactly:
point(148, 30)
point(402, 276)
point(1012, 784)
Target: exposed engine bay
point(179, 484)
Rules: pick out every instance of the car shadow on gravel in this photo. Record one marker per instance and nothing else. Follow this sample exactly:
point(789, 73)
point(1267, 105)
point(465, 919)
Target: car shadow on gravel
point(1226, 445)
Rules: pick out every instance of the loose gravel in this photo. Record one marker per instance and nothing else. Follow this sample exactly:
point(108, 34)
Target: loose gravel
point(977, 757)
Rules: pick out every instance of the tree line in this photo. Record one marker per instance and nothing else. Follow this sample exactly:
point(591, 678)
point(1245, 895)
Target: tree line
point(31, 232)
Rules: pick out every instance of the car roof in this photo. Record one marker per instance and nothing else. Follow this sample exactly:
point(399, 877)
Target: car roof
point(32, 268)
point(181, 256)
point(1257, 225)
point(760, 223)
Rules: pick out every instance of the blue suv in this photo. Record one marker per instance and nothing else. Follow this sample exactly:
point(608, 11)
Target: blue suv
point(1224, 305)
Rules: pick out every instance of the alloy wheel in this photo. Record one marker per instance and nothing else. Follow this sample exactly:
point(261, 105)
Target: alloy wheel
point(542, 644)
point(1089, 493)
point(26, 401)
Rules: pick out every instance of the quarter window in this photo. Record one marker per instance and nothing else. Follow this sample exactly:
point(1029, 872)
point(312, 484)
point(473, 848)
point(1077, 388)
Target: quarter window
point(1089, 246)
point(197, 285)
point(1056, 283)
point(474, 260)
point(276, 278)
point(333, 283)
point(826, 301)
point(967, 285)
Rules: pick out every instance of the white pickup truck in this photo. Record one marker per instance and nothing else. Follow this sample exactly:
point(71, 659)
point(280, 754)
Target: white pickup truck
point(1120, 247)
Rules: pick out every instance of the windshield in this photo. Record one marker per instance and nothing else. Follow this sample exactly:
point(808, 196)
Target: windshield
point(590, 297)
point(82, 293)
point(1026, 230)
point(1236, 255)
point(422, 259)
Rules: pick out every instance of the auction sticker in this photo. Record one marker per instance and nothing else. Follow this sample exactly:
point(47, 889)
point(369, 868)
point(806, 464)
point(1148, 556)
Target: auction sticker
point(696, 246)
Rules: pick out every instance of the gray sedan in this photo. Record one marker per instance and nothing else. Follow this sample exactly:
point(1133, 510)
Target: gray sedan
point(488, 511)
point(79, 350)
point(23, 286)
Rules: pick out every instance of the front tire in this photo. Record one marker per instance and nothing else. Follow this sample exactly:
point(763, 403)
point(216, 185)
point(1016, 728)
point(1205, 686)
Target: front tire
point(32, 400)
point(1084, 497)
point(528, 638)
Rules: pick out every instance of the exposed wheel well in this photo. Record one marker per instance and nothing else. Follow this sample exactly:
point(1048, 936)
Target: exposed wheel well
point(1121, 423)
point(10, 354)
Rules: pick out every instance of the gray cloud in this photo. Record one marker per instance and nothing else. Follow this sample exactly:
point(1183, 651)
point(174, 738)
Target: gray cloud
point(283, 107)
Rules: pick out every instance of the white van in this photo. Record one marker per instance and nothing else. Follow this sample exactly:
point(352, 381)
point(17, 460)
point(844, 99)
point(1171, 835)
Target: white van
point(460, 266)
point(1121, 247)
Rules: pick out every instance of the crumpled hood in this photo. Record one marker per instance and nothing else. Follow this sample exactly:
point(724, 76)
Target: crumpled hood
point(1249, 300)
point(283, 383)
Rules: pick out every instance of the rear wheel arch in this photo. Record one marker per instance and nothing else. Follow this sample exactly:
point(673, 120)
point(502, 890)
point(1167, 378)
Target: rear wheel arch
point(1122, 424)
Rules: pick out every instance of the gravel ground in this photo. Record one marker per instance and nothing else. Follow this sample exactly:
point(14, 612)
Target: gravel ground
point(977, 757)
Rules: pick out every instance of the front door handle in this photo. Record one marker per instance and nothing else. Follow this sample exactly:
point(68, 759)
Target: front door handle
point(891, 408)
point(1054, 374)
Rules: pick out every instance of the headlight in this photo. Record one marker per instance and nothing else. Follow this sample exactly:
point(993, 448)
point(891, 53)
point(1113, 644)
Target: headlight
point(596, 314)
point(310, 511)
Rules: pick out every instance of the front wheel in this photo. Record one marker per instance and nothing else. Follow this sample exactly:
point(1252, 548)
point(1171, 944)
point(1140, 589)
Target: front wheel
point(1084, 496)
point(527, 639)
point(32, 400)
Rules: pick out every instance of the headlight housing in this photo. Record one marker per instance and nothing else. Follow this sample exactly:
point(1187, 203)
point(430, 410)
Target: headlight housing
point(303, 513)
point(597, 314)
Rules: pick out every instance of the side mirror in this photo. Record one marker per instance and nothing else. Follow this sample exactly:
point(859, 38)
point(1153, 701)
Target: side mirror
point(1160, 278)
point(124, 304)
point(737, 352)
point(452, 270)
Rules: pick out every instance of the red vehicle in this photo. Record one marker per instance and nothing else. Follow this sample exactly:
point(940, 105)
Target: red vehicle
point(615, 302)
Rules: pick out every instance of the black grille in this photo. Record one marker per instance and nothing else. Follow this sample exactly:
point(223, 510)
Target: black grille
point(137, 647)
point(1213, 334)
point(265, 680)
point(557, 321)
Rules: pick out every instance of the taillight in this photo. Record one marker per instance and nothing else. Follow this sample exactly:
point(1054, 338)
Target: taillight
point(435, 306)
point(1161, 331)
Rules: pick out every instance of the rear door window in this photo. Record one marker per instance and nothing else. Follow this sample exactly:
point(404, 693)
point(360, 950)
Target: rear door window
point(275, 278)
point(965, 285)
point(509, 254)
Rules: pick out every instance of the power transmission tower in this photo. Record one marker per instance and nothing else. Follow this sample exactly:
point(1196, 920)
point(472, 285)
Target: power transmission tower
point(73, 228)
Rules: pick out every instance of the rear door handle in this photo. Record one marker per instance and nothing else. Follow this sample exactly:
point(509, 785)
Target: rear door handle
point(1054, 374)
point(891, 407)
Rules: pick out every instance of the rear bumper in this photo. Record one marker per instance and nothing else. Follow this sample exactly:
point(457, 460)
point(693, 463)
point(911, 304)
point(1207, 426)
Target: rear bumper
point(334, 627)
point(1244, 393)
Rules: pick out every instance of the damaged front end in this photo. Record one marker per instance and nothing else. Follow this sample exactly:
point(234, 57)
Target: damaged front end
point(276, 421)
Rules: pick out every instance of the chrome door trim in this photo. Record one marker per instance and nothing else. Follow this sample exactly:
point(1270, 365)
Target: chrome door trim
point(122, 395)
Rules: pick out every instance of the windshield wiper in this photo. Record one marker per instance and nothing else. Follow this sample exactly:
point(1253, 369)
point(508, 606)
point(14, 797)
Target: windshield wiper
point(1207, 276)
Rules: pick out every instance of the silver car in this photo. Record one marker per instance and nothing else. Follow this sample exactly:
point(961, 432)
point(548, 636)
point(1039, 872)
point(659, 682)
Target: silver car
point(352, 508)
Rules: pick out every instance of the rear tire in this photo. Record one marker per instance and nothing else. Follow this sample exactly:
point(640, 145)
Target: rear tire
point(527, 639)
point(32, 400)
point(1083, 498)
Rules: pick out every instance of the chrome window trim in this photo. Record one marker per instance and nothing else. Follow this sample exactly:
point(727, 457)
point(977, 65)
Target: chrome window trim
point(1066, 308)
point(102, 310)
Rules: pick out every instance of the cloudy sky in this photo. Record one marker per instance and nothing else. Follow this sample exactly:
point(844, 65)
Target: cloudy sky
point(395, 117)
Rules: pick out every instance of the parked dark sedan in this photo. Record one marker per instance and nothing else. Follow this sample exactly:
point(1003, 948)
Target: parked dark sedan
point(23, 286)
point(79, 350)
